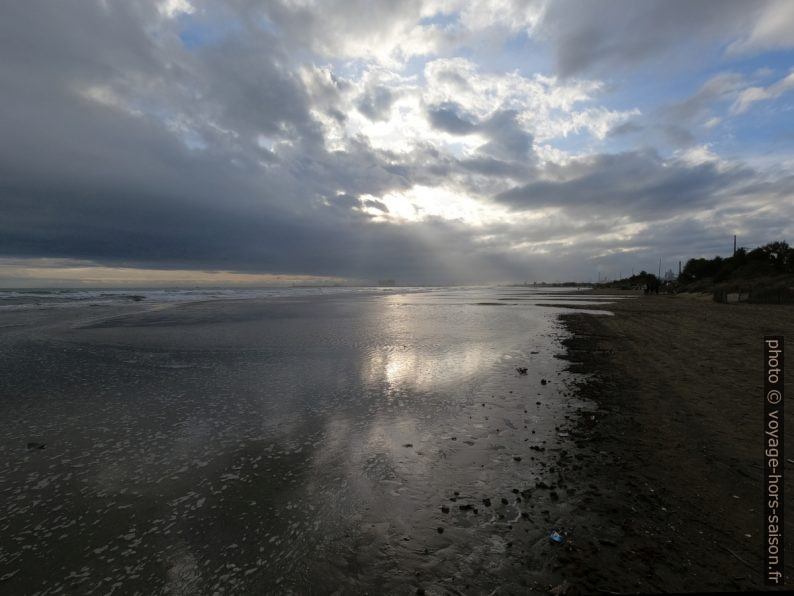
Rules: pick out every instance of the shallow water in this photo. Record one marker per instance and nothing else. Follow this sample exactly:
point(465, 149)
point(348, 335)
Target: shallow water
point(349, 443)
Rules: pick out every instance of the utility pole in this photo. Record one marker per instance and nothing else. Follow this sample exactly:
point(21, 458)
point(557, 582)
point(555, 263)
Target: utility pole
point(734, 245)
point(679, 268)
point(660, 268)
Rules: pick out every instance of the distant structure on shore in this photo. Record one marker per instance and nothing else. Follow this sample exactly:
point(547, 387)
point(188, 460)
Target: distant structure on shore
point(547, 284)
point(387, 283)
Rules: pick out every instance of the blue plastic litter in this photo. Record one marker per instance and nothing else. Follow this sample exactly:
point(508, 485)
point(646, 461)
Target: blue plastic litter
point(555, 536)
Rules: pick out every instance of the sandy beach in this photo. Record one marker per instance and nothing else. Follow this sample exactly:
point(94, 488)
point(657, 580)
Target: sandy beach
point(383, 444)
point(673, 453)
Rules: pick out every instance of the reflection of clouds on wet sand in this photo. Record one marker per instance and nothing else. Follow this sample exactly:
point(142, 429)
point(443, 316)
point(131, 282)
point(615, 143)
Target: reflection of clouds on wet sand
point(432, 344)
point(316, 448)
point(419, 369)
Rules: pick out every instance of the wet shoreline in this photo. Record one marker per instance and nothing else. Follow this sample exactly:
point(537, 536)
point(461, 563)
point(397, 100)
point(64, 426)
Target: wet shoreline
point(187, 452)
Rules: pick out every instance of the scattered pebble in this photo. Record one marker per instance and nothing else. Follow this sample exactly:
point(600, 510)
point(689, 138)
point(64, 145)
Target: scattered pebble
point(607, 542)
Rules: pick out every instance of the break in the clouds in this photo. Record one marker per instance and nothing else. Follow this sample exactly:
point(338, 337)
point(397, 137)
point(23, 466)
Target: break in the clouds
point(444, 141)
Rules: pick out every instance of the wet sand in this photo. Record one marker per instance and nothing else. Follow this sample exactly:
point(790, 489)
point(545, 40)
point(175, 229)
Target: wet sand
point(672, 477)
point(342, 444)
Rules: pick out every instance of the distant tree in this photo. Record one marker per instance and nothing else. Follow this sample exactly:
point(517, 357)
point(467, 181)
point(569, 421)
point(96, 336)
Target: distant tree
point(777, 253)
point(697, 269)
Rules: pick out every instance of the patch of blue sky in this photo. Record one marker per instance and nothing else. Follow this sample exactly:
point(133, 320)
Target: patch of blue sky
point(415, 66)
point(623, 143)
point(266, 25)
point(766, 128)
point(530, 56)
point(647, 90)
point(764, 65)
point(756, 70)
point(456, 149)
point(200, 33)
point(441, 20)
point(517, 53)
point(576, 142)
point(351, 70)
point(661, 82)
point(194, 141)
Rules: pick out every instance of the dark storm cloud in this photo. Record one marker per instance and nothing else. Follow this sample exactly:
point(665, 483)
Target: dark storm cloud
point(376, 103)
point(329, 26)
point(678, 135)
point(507, 139)
point(636, 183)
point(623, 33)
point(625, 128)
point(375, 204)
point(117, 181)
point(451, 118)
point(495, 168)
point(124, 148)
point(163, 232)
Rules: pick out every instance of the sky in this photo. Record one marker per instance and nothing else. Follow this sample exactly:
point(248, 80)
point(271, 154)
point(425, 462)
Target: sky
point(437, 142)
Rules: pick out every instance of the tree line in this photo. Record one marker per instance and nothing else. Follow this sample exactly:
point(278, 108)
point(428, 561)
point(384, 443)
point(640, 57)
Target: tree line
point(775, 258)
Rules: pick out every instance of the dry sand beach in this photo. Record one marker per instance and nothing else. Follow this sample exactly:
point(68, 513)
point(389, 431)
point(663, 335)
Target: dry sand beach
point(673, 489)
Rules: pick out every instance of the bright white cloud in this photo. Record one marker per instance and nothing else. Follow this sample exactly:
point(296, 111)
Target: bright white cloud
point(751, 95)
point(513, 16)
point(545, 107)
point(698, 155)
point(174, 8)
point(420, 203)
